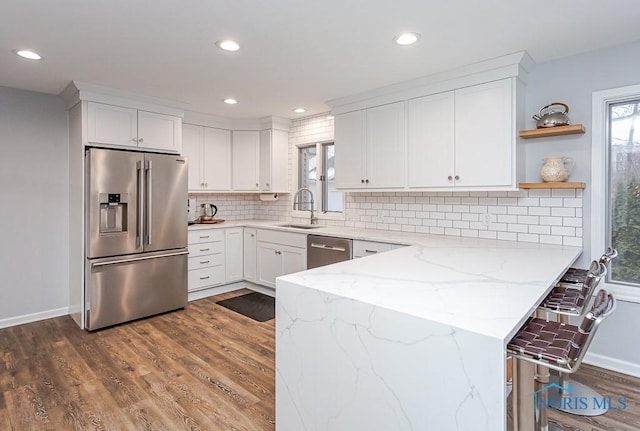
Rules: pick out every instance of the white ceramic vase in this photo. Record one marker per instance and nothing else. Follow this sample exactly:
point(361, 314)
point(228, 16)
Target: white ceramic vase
point(557, 169)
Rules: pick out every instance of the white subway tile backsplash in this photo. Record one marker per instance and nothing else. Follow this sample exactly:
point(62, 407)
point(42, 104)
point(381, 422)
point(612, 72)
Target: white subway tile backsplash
point(551, 221)
point(573, 202)
point(572, 221)
point(563, 193)
point(550, 202)
point(563, 231)
point(508, 236)
point(539, 193)
point(539, 211)
point(541, 230)
point(563, 212)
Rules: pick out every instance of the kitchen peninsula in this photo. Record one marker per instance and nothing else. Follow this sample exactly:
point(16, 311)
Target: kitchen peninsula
point(412, 339)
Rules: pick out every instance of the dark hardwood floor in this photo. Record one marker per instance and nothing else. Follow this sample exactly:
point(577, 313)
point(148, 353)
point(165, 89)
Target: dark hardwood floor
point(202, 368)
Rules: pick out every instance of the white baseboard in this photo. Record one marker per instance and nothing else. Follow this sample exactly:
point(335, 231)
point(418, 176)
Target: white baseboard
point(262, 289)
point(33, 317)
point(612, 364)
point(212, 291)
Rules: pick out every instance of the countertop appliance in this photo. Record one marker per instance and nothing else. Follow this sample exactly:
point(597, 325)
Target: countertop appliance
point(325, 250)
point(136, 235)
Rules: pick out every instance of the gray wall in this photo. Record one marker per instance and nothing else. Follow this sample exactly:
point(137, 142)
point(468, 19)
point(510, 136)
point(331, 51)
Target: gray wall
point(572, 80)
point(34, 209)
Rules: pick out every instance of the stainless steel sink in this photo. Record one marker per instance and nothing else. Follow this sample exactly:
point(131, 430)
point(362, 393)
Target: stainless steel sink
point(300, 226)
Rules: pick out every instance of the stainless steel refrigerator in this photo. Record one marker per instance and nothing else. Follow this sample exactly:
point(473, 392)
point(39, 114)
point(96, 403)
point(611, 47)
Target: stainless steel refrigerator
point(136, 235)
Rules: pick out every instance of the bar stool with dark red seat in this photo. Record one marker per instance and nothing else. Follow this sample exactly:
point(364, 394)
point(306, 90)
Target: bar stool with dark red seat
point(558, 346)
point(576, 275)
point(570, 297)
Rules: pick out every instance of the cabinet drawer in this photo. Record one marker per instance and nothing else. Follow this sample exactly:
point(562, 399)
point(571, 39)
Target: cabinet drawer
point(205, 277)
point(205, 235)
point(285, 238)
point(206, 248)
point(205, 261)
point(367, 248)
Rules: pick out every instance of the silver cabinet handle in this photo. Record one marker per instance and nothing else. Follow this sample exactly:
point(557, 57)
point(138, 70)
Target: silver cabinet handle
point(366, 181)
point(366, 250)
point(204, 237)
point(140, 140)
point(203, 262)
point(116, 262)
point(252, 235)
point(449, 177)
point(457, 177)
point(204, 249)
point(327, 247)
point(278, 252)
point(362, 181)
point(204, 278)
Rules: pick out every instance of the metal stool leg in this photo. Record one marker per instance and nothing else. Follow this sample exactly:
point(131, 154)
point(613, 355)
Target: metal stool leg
point(578, 390)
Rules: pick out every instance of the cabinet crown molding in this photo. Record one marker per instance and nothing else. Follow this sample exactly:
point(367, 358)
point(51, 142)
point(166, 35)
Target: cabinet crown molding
point(78, 91)
point(516, 65)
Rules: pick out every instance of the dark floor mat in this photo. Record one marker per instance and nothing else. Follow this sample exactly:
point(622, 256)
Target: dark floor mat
point(255, 305)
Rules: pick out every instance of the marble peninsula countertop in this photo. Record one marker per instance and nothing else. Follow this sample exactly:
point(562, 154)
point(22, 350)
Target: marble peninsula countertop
point(488, 287)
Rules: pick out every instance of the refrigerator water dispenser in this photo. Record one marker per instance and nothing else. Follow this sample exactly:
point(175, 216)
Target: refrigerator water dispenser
point(113, 213)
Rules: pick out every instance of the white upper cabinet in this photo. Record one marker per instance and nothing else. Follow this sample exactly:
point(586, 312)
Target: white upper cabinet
point(274, 160)
point(245, 157)
point(430, 140)
point(485, 135)
point(351, 147)
point(114, 125)
point(386, 155)
point(370, 148)
point(192, 138)
point(159, 132)
point(464, 138)
point(209, 153)
point(120, 126)
point(216, 156)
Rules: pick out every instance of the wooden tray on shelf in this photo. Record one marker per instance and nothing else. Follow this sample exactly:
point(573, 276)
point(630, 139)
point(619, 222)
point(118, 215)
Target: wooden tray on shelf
point(212, 221)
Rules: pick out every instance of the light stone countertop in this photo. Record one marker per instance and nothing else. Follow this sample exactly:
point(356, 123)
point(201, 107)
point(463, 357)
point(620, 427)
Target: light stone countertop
point(488, 287)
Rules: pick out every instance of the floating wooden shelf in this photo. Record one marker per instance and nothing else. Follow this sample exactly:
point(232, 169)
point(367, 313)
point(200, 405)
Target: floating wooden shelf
point(551, 185)
point(572, 129)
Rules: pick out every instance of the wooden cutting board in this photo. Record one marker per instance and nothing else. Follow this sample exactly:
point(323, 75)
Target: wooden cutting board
point(212, 221)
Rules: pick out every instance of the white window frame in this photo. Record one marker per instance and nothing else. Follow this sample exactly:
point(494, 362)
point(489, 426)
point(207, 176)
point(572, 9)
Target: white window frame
point(601, 100)
point(340, 216)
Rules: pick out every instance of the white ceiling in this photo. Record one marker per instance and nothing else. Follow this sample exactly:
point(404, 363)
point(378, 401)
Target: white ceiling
point(294, 52)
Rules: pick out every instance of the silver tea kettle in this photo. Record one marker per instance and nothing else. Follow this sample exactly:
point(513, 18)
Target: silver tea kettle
point(208, 211)
point(549, 117)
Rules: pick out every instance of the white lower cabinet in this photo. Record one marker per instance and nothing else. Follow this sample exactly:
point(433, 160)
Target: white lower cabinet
point(250, 257)
point(206, 259)
point(233, 254)
point(367, 248)
point(215, 257)
point(279, 253)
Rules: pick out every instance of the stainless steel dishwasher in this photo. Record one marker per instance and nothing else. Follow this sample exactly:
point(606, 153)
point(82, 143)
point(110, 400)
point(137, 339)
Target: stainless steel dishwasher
point(324, 250)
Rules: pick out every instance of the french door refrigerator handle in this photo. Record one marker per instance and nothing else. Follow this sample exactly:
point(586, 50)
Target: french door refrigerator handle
point(148, 165)
point(140, 204)
point(137, 259)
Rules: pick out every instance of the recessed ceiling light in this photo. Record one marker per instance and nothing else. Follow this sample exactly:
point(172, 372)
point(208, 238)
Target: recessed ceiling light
point(228, 45)
point(406, 38)
point(25, 53)
point(299, 110)
point(230, 101)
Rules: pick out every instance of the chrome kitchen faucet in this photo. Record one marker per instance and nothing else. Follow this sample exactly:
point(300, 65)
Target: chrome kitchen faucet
point(314, 219)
